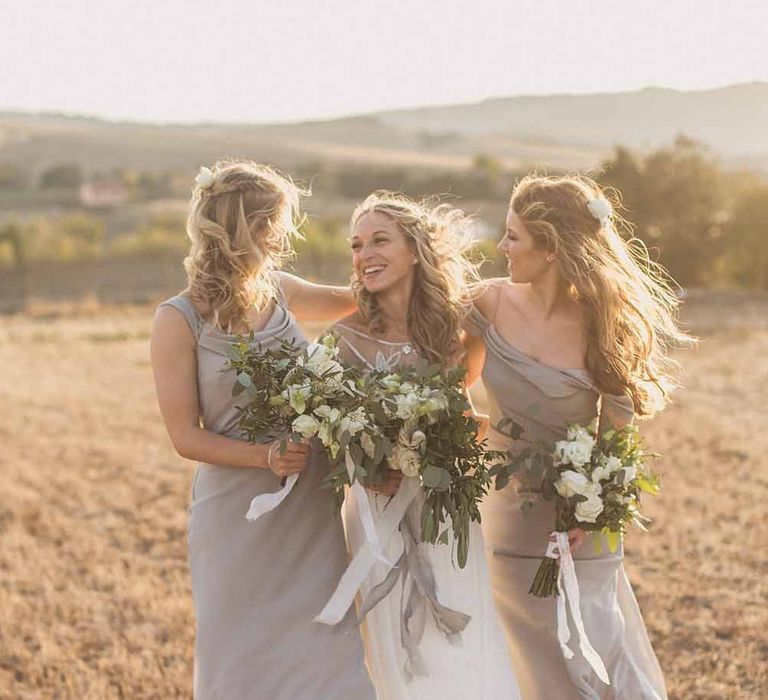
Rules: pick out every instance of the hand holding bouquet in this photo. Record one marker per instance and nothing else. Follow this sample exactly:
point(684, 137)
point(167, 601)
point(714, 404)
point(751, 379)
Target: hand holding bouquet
point(595, 483)
point(415, 421)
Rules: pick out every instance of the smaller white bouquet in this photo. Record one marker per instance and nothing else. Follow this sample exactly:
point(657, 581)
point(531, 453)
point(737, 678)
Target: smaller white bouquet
point(595, 484)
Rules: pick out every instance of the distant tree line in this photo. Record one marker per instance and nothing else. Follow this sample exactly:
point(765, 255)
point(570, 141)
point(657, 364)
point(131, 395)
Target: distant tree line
point(708, 226)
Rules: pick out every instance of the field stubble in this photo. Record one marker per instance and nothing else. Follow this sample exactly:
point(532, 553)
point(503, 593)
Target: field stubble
point(94, 590)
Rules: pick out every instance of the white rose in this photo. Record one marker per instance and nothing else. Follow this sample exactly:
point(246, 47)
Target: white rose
point(600, 474)
point(574, 432)
point(577, 453)
point(630, 474)
point(306, 425)
point(572, 483)
point(406, 406)
point(600, 208)
point(406, 460)
point(612, 464)
point(436, 402)
point(587, 511)
point(205, 178)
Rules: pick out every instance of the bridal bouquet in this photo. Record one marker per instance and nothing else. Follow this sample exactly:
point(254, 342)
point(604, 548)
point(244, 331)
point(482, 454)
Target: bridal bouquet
point(595, 483)
point(415, 420)
point(295, 391)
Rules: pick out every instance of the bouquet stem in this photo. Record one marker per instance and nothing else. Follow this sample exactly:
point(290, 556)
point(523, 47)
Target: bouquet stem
point(545, 582)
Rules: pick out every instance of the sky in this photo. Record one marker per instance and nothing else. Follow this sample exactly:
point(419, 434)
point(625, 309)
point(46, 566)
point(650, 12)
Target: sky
point(263, 61)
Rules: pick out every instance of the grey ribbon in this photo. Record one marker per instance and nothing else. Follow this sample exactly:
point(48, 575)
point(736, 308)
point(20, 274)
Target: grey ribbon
point(419, 596)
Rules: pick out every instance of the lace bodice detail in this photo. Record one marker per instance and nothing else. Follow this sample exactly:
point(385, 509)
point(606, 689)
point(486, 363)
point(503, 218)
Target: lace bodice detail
point(357, 348)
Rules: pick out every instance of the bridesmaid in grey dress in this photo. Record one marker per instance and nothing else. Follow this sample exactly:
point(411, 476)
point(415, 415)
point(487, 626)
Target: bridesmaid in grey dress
point(256, 585)
point(576, 332)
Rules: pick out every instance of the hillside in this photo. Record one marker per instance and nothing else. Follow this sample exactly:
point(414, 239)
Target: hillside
point(570, 131)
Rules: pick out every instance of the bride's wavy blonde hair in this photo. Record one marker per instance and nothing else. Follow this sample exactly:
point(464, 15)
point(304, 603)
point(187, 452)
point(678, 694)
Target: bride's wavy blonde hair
point(439, 236)
point(629, 301)
point(240, 225)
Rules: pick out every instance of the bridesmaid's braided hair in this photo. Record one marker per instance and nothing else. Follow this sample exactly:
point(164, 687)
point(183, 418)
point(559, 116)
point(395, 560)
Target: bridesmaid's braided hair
point(629, 301)
point(439, 236)
point(240, 226)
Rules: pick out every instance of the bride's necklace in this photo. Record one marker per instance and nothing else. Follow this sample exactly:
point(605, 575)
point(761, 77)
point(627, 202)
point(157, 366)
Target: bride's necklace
point(405, 347)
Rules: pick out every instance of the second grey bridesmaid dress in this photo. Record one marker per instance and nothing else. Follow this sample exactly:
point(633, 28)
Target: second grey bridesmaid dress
point(544, 400)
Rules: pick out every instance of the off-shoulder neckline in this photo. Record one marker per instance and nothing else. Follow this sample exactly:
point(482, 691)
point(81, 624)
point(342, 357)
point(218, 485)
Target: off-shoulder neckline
point(517, 351)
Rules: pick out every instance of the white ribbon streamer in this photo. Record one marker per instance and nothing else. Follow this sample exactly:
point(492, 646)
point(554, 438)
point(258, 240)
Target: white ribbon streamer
point(568, 589)
point(360, 566)
point(266, 502)
point(364, 510)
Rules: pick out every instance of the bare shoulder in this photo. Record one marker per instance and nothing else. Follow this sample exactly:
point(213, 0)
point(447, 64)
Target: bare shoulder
point(169, 327)
point(487, 295)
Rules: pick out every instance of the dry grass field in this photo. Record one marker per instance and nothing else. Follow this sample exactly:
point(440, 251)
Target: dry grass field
point(94, 592)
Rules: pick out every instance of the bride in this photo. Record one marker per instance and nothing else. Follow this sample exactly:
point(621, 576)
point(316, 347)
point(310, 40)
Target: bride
point(410, 280)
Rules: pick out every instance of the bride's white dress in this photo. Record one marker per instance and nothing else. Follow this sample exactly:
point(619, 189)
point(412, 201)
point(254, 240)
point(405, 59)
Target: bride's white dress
point(473, 665)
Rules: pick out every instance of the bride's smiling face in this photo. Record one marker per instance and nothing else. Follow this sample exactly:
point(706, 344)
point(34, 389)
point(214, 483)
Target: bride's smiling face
point(381, 255)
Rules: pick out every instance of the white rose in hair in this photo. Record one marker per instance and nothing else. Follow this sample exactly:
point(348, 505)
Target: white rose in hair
point(205, 178)
point(600, 208)
point(571, 484)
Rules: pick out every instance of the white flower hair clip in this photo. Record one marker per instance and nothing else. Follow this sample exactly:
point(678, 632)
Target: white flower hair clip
point(204, 179)
point(601, 209)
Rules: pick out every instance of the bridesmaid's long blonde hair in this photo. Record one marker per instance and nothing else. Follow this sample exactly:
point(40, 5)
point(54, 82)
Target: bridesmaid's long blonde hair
point(439, 236)
point(629, 301)
point(242, 217)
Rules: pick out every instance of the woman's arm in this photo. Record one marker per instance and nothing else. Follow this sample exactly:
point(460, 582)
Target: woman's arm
point(474, 357)
point(174, 365)
point(316, 302)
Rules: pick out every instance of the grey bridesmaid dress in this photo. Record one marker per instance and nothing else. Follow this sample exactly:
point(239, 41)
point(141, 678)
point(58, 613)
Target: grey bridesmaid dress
point(258, 585)
point(543, 400)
